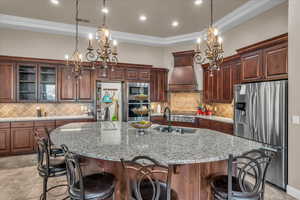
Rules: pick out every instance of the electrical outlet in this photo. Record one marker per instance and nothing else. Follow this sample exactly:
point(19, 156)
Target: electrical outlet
point(296, 119)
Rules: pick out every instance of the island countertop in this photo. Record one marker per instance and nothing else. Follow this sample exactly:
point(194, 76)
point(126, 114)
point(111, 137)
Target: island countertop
point(115, 140)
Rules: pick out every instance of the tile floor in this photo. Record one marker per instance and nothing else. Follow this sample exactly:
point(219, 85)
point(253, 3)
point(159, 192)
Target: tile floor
point(19, 180)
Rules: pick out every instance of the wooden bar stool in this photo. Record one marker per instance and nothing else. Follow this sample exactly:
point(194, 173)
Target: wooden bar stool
point(147, 179)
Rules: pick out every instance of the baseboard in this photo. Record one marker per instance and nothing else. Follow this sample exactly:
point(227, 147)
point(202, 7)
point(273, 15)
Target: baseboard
point(293, 191)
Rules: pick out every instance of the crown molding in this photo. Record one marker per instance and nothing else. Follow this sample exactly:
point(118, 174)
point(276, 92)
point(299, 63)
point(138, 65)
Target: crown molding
point(245, 12)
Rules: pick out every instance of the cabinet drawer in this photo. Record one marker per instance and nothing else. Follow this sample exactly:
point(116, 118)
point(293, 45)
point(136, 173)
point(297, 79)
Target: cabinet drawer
point(21, 124)
point(222, 127)
point(44, 123)
point(5, 125)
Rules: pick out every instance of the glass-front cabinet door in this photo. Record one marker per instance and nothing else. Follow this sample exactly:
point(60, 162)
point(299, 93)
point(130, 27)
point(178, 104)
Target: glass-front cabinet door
point(47, 83)
point(27, 82)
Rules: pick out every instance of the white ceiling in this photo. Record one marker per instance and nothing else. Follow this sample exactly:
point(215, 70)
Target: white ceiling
point(124, 14)
point(123, 17)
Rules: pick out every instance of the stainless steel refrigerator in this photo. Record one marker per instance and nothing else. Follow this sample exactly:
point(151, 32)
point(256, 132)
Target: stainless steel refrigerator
point(261, 115)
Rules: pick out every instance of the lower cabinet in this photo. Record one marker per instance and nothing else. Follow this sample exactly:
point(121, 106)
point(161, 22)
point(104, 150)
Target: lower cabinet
point(199, 123)
point(18, 137)
point(22, 140)
point(216, 125)
point(4, 141)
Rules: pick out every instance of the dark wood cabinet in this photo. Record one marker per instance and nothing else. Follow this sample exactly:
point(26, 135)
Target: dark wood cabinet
point(266, 60)
point(7, 77)
point(252, 66)
point(216, 125)
point(276, 62)
point(118, 73)
point(47, 83)
point(70, 89)
point(204, 123)
point(22, 140)
point(85, 85)
point(103, 74)
point(219, 87)
point(27, 85)
point(132, 75)
point(144, 75)
point(159, 85)
point(4, 141)
point(66, 85)
point(227, 85)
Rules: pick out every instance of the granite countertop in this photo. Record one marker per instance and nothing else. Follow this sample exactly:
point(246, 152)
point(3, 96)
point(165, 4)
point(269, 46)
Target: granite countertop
point(215, 118)
point(16, 119)
point(115, 140)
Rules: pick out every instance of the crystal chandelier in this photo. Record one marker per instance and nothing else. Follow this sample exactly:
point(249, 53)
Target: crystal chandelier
point(106, 49)
point(75, 62)
point(214, 52)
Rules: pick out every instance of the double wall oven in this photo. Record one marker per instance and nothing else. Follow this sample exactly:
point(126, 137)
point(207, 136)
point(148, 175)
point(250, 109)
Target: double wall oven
point(134, 89)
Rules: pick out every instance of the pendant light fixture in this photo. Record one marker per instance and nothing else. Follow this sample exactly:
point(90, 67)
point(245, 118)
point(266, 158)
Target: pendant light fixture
point(214, 52)
point(75, 62)
point(105, 49)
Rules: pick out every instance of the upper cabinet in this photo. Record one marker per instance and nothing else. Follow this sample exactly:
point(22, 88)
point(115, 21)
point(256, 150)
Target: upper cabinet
point(66, 84)
point(71, 89)
point(7, 77)
point(85, 85)
point(159, 85)
point(27, 84)
point(267, 60)
point(218, 86)
point(276, 62)
point(47, 83)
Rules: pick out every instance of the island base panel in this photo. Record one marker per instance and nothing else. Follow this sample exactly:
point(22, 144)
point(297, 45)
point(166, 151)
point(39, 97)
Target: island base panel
point(190, 181)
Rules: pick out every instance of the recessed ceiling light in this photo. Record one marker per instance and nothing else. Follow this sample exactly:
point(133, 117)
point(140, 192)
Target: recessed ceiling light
point(105, 10)
point(175, 23)
point(143, 18)
point(198, 2)
point(56, 2)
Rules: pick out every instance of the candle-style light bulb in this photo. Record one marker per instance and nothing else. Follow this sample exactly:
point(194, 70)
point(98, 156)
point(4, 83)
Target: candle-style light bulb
point(198, 44)
point(220, 40)
point(67, 57)
point(115, 42)
point(90, 41)
point(216, 31)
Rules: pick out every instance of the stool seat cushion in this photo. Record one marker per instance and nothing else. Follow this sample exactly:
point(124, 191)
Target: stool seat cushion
point(147, 191)
point(95, 186)
point(219, 185)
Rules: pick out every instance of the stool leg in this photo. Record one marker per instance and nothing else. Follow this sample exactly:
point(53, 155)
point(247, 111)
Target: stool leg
point(45, 181)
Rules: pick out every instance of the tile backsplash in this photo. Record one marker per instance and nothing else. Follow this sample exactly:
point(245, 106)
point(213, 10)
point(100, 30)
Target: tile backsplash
point(188, 103)
point(185, 102)
point(51, 109)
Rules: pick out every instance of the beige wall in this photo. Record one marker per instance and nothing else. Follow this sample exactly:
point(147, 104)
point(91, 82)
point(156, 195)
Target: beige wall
point(294, 95)
point(44, 45)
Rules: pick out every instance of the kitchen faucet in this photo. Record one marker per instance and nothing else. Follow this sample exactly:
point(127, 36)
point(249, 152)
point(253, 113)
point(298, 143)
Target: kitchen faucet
point(168, 118)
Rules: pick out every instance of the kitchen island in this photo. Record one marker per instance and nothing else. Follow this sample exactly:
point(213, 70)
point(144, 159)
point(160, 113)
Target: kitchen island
point(194, 157)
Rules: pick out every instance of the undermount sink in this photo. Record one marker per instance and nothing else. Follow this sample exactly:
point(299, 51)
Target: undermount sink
point(175, 129)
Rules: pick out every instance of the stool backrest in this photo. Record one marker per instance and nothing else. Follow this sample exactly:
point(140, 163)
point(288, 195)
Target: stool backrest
point(251, 166)
point(74, 173)
point(144, 170)
point(43, 155)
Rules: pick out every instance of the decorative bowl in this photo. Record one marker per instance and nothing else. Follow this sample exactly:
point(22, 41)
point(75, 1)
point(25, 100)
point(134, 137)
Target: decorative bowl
point(140, 125)
point(141, 97)
point(141, 111)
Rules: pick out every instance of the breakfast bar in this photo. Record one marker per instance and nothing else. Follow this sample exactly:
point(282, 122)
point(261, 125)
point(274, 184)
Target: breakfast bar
point(194, 156)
